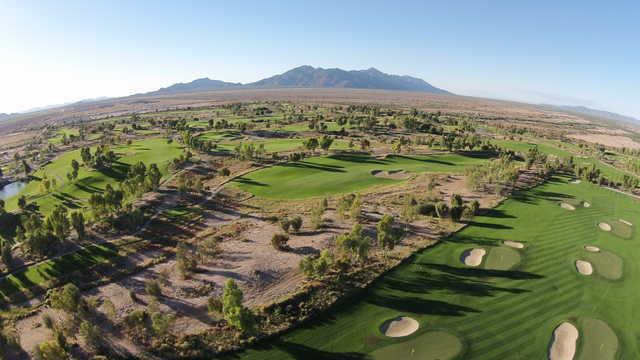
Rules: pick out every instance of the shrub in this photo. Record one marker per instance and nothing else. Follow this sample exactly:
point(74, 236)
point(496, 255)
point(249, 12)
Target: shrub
point(316, 268)
point(279, 241)
point(296, 223)
point(285, 224)
point(152, 288)
point(214, 305)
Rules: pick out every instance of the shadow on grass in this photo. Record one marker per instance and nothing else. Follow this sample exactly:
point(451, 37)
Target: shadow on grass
point(303, 352)
point(489, 225)
point(243, 180)
point(481, 273)
point(418, 305)
point(321, 167)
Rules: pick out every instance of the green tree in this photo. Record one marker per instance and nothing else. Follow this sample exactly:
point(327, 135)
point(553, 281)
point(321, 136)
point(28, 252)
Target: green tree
point(233, 311)
point(67, 298)
point(316, 268)
point(325, 142)
point(77, 221)
point(311, 144)
point(154, 177)
point(296, 223)
point(354, 243)
point(387, 235)
point(75, 167)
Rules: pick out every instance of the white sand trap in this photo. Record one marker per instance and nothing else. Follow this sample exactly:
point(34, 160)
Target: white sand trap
point(586, 204)
point(399, 327)
point(514, 244)
point(625, 222)
point(604, 226)
point(578, 181)
point(567, 206)
point(563, 346)
point(584, 267)
point(591, 248)
point(473, 257)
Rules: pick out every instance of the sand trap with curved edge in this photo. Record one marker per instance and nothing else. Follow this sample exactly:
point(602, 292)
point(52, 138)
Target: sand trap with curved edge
point(567, 206)
point(514, 244)
point(604, 226)
point(625, 222)
point(399, 327)
point(584, 267)
point(586, 204)
point(563, 345)
point(591, 248)
point(473, 257)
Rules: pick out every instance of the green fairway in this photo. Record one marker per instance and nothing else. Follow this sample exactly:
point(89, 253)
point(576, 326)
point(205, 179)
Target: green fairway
point(73, 194)
point(432, 345)
point(53, 269)
point(343, 173)
point(496, 314)
point(279, 145)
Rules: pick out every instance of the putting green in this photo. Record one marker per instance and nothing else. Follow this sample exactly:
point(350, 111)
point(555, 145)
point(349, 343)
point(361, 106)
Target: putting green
point(599, 341)
point(620, 229)
point(607, 264)
point(502, 258)
point(343, 173)
point(432, 345)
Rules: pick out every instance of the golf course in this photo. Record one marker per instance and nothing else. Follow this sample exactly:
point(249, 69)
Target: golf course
point(524, 299)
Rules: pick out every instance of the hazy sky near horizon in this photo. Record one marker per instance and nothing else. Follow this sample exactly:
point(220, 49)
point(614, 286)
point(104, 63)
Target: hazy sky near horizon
point(562, 52)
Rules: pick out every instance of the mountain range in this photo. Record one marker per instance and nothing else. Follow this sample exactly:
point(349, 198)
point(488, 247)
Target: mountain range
point(312, 77)
point(583, 110)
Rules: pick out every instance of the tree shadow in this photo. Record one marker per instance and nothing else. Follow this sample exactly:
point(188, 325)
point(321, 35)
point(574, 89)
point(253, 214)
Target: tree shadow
point(418, 305)
point(481, 273)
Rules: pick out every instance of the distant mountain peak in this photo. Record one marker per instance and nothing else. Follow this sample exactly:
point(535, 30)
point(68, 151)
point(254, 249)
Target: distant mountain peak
point(314, 77)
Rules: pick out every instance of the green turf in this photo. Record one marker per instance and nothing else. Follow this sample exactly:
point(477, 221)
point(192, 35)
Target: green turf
point(89, 180)
point(501, 258)
point(279, 145)
point(598, 341)
point(432, 345)
point(620, 229)
point(52, 269)
point(606, 264)
point(497, 314)
point(343, 173)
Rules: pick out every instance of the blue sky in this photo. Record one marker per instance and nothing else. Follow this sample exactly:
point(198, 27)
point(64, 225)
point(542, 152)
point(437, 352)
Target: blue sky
point(569, 52)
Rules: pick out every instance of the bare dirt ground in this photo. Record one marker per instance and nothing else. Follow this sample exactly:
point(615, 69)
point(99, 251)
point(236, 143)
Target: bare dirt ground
point(143, 103)
point(608, 140)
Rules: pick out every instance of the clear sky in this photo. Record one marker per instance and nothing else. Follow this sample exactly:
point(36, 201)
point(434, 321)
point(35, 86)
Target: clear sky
point(565, 52)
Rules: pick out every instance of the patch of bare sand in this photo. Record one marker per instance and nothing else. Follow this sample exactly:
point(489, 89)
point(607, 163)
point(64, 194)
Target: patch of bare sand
point(567, 206)
point(586, 204)
point(399, 327)
point(584, 267)
point(473, 257)
point(563, 344)
point(514, 244)
point(591, 248)
point(608, 140)
point(576, 181)
point(604, 226)
point(625, 222)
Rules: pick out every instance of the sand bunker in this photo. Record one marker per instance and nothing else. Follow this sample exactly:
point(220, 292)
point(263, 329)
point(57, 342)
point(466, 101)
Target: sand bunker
point(473, 257)
point(563, 345)
point(591, 248)
point(578, 181)
point(567, 206)
point(514, 244)
point(399, 327)
point(625, 222)
point(604, 226)
point(391, 174)
point(586, 204)
point(584, 267)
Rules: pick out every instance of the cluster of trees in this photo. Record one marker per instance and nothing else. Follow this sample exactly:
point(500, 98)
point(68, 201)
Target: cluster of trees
point(499, 172)
point(39, 236)
point(141, 179)
point(249, 151)
point(323, 142)
point(236, 314)
point(103, 157)
point(349, 205)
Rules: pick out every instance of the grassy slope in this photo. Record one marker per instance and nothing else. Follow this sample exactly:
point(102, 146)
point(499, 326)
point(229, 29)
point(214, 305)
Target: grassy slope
point(320, 176)
point(89, 180)
point(497, 314)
